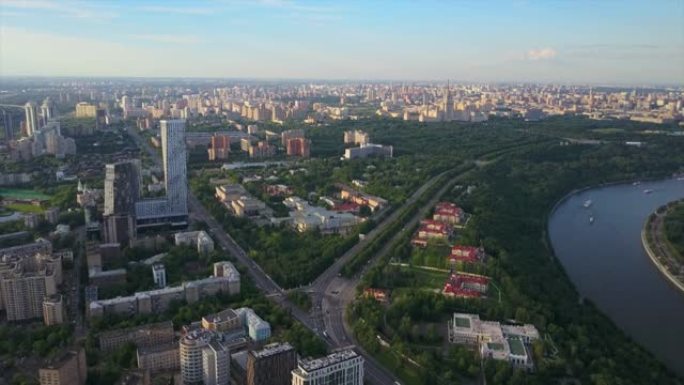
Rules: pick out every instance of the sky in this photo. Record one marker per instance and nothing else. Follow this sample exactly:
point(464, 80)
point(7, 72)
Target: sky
point(552, 41)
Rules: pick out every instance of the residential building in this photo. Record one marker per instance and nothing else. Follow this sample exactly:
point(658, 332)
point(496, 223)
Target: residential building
point(261, 150)
point(299, 147)
point(68, 368)
point(247, 206)
point(216, 364)
point(159, 274)
point(143, 336)
point(368, 149)
point(31, 118)
point(228, 270)
point(159, 357)
point(219, 147)
point(122, 187)
point(469, 254)
point(430, 230)
point(272, 365)
point(224, 321)
point(448, 212)
point(200, 240)
point(25, 282)
point(159, 300)
point(360, 198)
point(291, 134)
point(86, 110)
point(257, 329)
point(172, 209)
point(356, 137)
point(343, 367)
point(53, 310)
point(191, 361)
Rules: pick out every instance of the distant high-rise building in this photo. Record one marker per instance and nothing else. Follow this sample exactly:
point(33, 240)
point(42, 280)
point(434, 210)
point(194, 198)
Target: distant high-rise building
point(272, 365)
point(174, 161)
point(220, 147)
point(173, 208)
point(122, 187)
point(85, 110)
point(216, 364)
point(8, 124)
point(299, 147)
point(31, 118)
point(122, 191)
point(448, 104)
point(47, 110)
point(343, 367)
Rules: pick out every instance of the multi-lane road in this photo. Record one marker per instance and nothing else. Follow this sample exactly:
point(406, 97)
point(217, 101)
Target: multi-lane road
point(331, 293)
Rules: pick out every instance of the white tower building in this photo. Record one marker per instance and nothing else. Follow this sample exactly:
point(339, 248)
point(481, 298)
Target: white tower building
point(31, 118)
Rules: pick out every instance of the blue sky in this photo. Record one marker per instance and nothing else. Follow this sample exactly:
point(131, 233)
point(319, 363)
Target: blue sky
point(607, 42)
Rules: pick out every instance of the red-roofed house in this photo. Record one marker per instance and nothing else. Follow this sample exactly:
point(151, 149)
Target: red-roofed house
point(347, 207)
point(428, 230)
point(466, 285)
point(448, 212)
point(380, 295)
point(468, 254)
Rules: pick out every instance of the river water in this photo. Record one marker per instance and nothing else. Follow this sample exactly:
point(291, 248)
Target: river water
point(606, 262)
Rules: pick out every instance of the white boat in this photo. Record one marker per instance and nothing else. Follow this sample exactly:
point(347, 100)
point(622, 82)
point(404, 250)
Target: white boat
point(648, 191)
point(636, 183)
point(681, 178)
point(591, 219)
point(587, 203)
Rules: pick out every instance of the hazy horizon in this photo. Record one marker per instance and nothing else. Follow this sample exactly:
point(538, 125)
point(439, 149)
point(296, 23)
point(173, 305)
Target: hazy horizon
point(469, 42)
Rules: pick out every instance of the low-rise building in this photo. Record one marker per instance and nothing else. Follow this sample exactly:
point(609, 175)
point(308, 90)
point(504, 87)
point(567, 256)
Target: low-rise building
point(305, 217)
point(198, 239)
point(144, 336)
point(68, 368)
point(159, 357)
point(430, 230)
point(360, 198)
point(466, 285)
point(468, 254)
point(257, 329)
point(368, 150)
point(448, 212)
point(494, 340)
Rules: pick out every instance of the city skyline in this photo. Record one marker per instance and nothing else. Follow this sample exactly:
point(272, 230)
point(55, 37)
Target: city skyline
point(501, 41)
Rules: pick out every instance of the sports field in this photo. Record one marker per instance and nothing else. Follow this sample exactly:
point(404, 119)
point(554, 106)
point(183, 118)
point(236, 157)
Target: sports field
point(23, 194)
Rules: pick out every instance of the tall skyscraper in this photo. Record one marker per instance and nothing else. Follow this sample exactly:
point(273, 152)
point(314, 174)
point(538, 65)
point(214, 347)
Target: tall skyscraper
point(448, 104)
point(31, 118)
point(122, 187)
point(343, 367)
point(47, 110)
point(174, 158)
point(272, 365)
point(173, 208)
point(8, 124)
point(122, 190)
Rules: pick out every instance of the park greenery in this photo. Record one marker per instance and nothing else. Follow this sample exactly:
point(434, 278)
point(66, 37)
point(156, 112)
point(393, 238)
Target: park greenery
point(510, 205)
point(674, 228)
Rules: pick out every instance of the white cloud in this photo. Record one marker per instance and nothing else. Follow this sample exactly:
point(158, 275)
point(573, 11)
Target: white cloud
point(175, 10)
point(541, 54)
point(172, 39)
point(66, 8)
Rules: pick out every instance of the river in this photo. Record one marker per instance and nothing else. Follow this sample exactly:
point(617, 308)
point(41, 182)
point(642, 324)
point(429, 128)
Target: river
point(607, 263)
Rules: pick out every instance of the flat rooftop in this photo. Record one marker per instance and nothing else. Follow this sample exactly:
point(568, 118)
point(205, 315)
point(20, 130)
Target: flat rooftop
point(272, 349)
point(517, 347)
point(310, 365)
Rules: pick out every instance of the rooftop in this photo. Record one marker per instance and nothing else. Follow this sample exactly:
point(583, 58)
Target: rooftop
point(311, 364)
point(272, 349)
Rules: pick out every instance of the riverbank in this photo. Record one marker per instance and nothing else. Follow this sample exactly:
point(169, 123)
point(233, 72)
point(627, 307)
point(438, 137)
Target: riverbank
point(652, 240)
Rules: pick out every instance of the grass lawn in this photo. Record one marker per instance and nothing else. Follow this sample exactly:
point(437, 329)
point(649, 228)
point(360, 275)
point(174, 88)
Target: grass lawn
point(399, 367)
point(25, 208)
point(428, 279)
point(23, 194)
